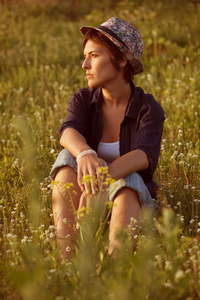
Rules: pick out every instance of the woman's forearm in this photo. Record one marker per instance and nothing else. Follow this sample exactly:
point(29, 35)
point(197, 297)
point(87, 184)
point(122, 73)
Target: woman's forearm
point(73, 141)
point(133, 161)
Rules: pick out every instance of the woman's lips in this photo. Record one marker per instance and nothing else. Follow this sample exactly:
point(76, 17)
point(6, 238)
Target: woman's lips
point(89, 75)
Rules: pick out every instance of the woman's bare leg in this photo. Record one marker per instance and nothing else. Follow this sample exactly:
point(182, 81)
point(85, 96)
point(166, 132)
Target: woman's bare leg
point(126, 206)
point(63, 208)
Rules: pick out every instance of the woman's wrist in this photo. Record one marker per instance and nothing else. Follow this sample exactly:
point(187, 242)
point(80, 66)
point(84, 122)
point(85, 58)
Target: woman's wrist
point(84, 153)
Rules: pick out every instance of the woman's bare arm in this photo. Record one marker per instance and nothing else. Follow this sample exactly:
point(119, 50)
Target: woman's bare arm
point(133, 161)
point(73, 141)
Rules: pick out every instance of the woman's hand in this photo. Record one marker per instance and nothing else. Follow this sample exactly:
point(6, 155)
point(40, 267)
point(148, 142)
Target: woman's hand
point(89, 165)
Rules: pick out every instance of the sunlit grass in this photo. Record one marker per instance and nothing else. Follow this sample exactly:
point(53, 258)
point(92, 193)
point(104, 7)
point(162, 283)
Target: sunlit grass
point(40, 69)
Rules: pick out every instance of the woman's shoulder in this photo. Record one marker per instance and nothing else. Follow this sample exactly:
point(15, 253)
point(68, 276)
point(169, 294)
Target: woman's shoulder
point(148, 101)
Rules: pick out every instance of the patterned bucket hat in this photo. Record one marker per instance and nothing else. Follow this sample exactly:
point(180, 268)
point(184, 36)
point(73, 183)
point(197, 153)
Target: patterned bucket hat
point(126, 37)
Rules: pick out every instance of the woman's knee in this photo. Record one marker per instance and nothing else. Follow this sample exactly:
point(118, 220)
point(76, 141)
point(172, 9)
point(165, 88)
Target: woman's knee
point(127, 193)
point(65, 181)
point(65, 173)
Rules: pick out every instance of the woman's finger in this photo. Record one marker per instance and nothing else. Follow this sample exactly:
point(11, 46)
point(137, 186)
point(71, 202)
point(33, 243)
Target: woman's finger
point(101, 175)
point(93, 183)
point(79, 179)
point(87, 186)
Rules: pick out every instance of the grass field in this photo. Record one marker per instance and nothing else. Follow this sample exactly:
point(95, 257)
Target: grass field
point(40, 69)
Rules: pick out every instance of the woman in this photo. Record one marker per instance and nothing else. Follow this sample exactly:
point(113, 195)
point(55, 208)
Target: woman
point(110, 123)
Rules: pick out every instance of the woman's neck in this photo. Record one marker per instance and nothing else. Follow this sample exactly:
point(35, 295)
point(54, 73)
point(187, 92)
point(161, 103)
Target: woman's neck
point(117, 95)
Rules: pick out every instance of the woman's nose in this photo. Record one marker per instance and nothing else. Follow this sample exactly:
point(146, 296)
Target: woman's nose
point(86, 64)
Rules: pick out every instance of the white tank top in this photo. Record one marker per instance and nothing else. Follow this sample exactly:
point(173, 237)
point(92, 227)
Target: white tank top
point(108, 151)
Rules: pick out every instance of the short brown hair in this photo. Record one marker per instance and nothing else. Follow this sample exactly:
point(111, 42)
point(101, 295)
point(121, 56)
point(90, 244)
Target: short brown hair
point(115, 54)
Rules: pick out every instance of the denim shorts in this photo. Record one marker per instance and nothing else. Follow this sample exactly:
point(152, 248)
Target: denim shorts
point(133, 180)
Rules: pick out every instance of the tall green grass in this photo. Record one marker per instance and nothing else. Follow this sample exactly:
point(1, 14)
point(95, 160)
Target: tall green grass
point(40, 69)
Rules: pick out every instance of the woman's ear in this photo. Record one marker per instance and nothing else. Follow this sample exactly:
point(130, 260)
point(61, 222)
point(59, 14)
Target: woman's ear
point(123, 63)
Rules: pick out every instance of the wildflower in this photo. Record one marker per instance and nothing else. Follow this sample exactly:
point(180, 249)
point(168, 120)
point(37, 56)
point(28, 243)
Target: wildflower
point(188, 271)
point(133, 221)
point(193, 259)
point(65, 220)
point(179, 275)
point(68, 186)
point(12, 264)
point(52, 227)
point(168, 285)
point(68, 249)
point(9, 235)
point(162, 147)
point(47, 259)
point(196, 200)
point(109, 181)
point(51, 235)
point(103, 170)
point(168, 265)
point(46, 67)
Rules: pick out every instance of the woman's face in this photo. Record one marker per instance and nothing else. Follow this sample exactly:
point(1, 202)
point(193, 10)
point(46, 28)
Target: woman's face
point(100, 71)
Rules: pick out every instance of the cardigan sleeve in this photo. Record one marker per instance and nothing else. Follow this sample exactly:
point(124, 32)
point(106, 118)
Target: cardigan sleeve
point(148, 134)
point(77, 115)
